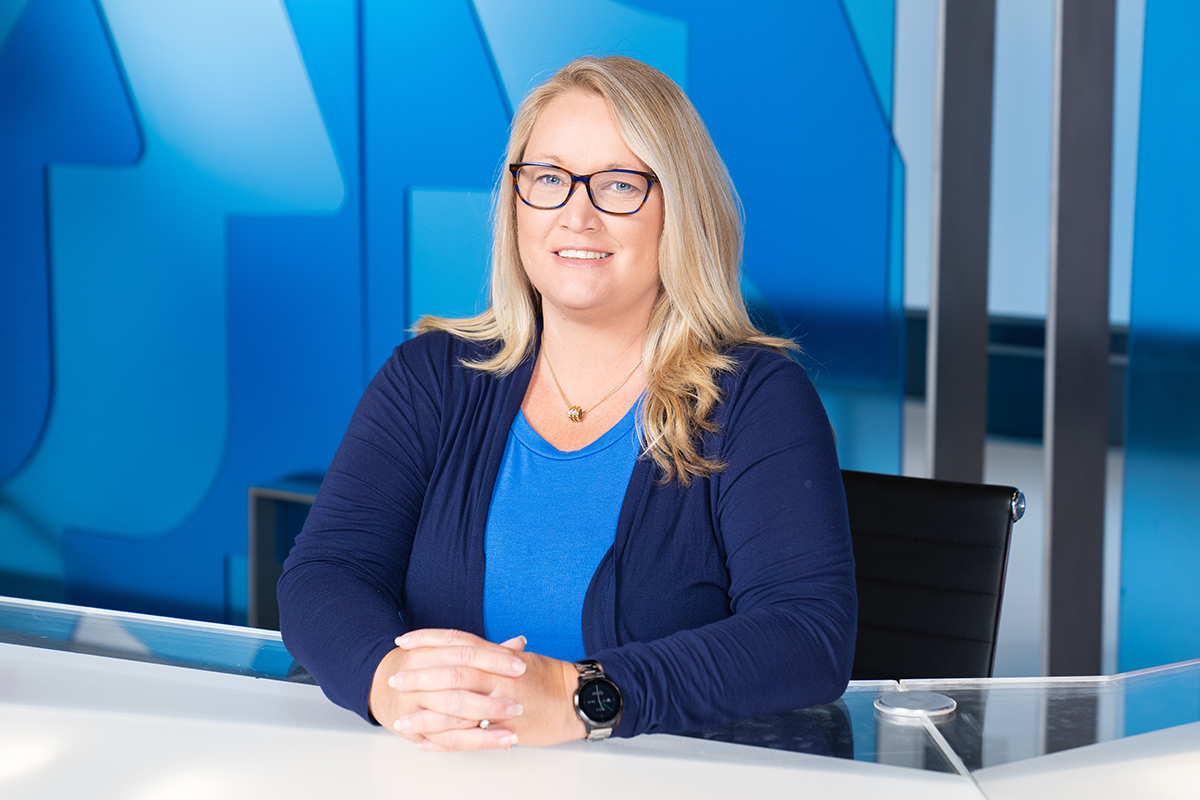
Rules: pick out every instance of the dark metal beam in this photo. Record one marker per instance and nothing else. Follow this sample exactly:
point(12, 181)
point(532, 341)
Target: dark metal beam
point(956, 383)
point(1077, 334)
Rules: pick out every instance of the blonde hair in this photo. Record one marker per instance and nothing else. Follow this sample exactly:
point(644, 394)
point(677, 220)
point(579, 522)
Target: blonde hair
point(699, 313)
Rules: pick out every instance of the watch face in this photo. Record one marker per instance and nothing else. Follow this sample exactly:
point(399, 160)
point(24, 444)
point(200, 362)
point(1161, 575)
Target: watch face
point(600, 701)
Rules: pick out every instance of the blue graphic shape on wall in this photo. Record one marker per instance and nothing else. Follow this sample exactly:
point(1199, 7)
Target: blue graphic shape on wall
point(444, 279)
point(61, 99)
point(52, 109)
point(295, 332)
point(1160, 560)
point(874, 25)
point(870, 416)
point(10, 12)
point(531, 39)
point(436, 119)
point(139, 422)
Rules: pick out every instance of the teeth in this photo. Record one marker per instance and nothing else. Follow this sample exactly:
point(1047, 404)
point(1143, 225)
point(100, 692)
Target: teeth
point(582, 254)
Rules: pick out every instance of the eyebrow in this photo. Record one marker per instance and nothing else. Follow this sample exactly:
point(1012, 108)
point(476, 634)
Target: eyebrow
point(558, 160)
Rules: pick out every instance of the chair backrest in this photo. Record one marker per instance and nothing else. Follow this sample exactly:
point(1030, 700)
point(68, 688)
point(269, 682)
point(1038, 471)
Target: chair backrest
point(929, 562)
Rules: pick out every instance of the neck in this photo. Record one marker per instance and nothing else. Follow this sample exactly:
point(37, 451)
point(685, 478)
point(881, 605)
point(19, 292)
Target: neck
point(590, 350)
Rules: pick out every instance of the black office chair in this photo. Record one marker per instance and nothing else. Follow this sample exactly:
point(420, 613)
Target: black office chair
point(929, 562)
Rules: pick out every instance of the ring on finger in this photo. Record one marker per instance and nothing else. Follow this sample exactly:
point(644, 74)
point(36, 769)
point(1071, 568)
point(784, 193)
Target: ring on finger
point(485, 724)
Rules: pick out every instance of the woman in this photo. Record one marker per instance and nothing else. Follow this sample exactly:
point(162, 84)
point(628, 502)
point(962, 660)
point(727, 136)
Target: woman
point(679, 520)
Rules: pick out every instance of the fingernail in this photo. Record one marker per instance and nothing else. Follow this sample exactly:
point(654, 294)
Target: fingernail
point(508, 741)
point(518, 666)
point(524, 641)
point(402, 641)
point(515, 710)
point(404, 724)
point(396, 681)
point(426, 745)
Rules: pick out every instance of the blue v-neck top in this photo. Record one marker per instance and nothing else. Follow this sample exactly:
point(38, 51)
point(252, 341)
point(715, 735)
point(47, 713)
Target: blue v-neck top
point(553, 517)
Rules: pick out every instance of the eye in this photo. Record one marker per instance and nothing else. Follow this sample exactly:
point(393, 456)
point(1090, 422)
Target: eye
point(548, 179)
point(617, 186)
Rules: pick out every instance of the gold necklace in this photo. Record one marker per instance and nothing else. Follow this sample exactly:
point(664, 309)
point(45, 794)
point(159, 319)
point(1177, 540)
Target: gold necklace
point(575, 413)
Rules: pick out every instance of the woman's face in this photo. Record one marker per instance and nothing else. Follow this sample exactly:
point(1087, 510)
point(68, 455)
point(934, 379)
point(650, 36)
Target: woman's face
point(589, 265)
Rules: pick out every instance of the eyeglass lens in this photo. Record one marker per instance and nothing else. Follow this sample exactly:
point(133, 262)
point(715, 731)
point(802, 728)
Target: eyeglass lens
point(616, 192)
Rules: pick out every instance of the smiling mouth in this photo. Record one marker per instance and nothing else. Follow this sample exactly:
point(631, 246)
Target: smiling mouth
point(586, 254)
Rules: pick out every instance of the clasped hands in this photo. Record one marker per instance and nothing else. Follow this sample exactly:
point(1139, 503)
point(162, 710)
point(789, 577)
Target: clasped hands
point(438, 685)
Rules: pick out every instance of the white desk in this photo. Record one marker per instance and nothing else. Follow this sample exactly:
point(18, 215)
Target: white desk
point(1164, 765)
point(78, 724)
point(75, 725)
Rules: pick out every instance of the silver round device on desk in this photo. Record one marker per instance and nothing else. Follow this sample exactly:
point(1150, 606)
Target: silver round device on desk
point(915, 706)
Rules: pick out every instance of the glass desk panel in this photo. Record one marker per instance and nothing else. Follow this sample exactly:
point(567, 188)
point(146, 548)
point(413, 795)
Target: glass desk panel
point(849, 728)
point(997, 724)
point(138, 637)
point(1002, 720)
point(1158, 698)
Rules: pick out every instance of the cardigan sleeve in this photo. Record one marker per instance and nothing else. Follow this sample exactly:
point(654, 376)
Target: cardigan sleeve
point(341, 589)
point(779, 511)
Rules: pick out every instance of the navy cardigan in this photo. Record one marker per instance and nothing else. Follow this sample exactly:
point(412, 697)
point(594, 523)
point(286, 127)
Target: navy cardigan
point(728, 599)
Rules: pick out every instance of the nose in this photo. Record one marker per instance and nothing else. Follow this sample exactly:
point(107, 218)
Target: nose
point(579, 214)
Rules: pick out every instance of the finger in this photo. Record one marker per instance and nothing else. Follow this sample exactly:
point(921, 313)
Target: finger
point(504, 663)
point(441, 679)
point(517, 643)
point(492, 658)
point(468, 705)
point(440, 637)
point(431, 747)
point(425, 723)
point(444, 637)
point(419, 723)
point(473, 739)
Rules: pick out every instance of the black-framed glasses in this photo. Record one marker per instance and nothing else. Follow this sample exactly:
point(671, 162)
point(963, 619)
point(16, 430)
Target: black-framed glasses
point(613, 191)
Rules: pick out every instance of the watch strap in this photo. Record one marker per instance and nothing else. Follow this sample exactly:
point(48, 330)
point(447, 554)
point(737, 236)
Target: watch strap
point(589, 668)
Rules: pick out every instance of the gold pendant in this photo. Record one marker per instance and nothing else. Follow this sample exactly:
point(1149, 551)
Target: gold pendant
point(575, 414)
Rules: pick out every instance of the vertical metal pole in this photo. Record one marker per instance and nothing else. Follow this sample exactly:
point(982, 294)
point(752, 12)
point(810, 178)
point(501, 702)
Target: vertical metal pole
point(956, 381)
point(1077, 335)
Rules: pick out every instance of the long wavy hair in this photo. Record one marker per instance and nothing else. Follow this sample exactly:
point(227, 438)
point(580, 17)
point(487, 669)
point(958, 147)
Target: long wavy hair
point(699, 314)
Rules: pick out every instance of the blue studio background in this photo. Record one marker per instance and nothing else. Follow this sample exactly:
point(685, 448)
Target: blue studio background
point(217, 217)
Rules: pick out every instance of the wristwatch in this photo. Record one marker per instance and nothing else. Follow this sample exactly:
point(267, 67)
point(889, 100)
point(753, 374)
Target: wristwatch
point(597, 700)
